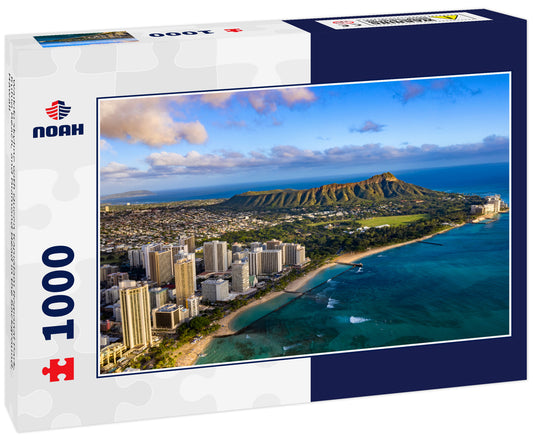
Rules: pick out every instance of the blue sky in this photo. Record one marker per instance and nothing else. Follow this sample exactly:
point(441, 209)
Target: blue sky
point(183, 141)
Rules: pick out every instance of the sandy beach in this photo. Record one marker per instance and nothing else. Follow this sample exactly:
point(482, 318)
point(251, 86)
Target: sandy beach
point(351, 257)
point(188, 354)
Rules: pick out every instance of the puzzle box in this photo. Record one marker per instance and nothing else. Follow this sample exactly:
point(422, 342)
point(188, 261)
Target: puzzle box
point(225, 216)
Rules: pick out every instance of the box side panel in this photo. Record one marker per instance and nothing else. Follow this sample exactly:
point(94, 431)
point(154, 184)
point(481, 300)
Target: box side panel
point(11, 385)
point(59, 206)
point(413, 52)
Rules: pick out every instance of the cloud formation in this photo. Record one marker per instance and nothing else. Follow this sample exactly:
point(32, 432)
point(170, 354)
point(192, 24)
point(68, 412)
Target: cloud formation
point(115, 171)
point(288, 156)
point(450, 88)
point(217, 100)
point(368, 127)
point(149, 121)
point(160, 121)
point(268, 101)
point(411, 90)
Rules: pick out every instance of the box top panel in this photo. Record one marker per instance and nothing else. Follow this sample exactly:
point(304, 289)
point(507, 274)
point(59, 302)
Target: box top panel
point(240, 30)
point(153, 34)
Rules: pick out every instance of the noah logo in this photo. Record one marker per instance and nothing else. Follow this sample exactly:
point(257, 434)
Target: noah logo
point(57, 111)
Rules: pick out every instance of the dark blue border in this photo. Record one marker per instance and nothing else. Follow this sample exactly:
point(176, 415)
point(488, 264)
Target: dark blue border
point(498, 45)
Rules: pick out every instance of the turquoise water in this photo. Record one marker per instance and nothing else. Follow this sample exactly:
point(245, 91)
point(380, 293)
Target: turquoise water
point(417, 293)
point(257, 312)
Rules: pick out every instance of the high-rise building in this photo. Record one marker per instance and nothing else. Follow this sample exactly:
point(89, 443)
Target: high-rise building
point(189, 241)
point(166, 317)
point(161, 270)
point(193, 304)
point(106, 270)
point(110, 296)
point(274, 244)
point(229, 256)
point(117, 312)
point(236, 247)
point(254, 261)
point(496, 201)
point(489, 207)
point(238, 256)
point(215, 290)
point(135, 314)
point(183, 314)
point(199, 265)
point(294, 254)
point(136, 258)
point(256, 245)
point(185, 278)
point(240, 276)
point(179, 250)
point(271, 262)
point(216, 256)
point(146, 249)
point(114, 279)
point(158, 297)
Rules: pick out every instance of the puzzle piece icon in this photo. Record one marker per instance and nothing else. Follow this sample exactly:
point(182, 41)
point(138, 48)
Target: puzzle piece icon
point(55, 369)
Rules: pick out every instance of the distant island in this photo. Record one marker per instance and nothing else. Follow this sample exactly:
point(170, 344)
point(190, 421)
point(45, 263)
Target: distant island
point(132, 194)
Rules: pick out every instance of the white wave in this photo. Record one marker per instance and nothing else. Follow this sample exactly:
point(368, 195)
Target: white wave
point(356, 320)
point(329, 280)
point(320, 335)
point(331, 303)
point(247, 336)
point(360, 270)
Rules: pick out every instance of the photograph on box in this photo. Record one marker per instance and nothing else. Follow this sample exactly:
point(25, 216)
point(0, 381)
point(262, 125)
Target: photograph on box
point(272, 223)
point(88, 38)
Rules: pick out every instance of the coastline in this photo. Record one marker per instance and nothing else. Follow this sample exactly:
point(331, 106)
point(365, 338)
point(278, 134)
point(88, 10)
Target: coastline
point(354, 256)
point(188, 354)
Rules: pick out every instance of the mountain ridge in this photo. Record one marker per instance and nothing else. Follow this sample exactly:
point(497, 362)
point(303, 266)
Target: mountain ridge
point(376, 188)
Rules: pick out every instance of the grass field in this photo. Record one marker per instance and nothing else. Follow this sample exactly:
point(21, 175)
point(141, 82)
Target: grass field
point(391, 220)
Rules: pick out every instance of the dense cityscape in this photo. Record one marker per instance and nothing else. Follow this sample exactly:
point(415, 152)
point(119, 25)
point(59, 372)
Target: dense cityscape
point(166, 286)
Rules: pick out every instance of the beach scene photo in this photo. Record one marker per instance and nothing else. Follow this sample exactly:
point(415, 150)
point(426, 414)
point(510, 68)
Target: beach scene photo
point(274, 223)
point(90, 38)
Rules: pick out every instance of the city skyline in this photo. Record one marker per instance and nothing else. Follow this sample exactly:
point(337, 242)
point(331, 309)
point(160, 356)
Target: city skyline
point(191, 140)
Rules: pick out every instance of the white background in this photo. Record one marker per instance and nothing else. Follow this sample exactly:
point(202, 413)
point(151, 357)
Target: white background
point(488, 414)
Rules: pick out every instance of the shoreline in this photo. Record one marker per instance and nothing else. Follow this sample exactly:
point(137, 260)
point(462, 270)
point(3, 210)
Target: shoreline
point(350, 257)
point(188, 354)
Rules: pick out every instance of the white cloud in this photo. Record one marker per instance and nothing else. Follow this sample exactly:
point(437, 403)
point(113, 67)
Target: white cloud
point(115, 171)
point(147, 120)
point(295, 95)
point(217, 100)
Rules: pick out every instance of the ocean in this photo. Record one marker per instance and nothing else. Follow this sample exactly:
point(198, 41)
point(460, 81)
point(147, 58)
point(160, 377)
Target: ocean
point(457, 288)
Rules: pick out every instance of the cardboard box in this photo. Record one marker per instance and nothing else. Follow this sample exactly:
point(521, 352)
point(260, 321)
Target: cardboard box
point(217, 217)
